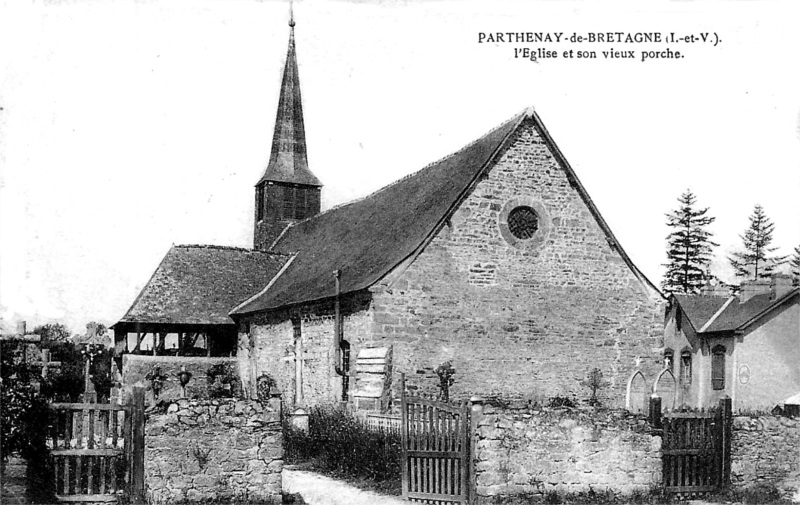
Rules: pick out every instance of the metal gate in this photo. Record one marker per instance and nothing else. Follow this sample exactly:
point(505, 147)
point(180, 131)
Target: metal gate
point(98, 450)
point(696, 450)
point(436, 456)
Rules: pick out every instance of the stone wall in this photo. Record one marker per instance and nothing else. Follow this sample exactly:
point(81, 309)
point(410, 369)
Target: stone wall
point(535, 451)
point(765, 450)
point(519, 320)
point(270, 347)
point(136, 367)
point(214, 450)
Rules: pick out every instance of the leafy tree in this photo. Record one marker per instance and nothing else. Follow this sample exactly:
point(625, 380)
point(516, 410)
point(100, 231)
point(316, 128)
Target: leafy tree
point(689, 246)
point(24, 420)
point(52, 332)
point(756, 260)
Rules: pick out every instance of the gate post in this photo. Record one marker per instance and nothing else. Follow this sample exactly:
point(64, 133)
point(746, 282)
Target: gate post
point(137, 484)
point(725, 408)
point(476, 412)
point(655, 412)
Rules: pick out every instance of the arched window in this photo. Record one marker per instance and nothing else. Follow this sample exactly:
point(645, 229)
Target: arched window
point(718, 368)
point(686, 367)
point(669, 358)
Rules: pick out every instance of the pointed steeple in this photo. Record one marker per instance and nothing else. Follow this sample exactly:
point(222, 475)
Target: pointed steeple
point(288, 162)
point(287, 192)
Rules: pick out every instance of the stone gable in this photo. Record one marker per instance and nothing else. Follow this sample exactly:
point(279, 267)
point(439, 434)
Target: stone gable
point(516, 319)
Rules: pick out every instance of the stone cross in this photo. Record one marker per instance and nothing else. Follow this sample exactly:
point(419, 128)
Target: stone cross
point(89, 394)
point(47, 364)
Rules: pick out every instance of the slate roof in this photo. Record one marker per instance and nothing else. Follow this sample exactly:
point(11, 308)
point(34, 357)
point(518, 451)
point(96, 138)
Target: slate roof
point(197, 284)
point(288, 160)
point(367, 238)
point(700, 309)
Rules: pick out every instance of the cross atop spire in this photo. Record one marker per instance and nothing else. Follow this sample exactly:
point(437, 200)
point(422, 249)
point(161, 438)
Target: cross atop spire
point(288, 162)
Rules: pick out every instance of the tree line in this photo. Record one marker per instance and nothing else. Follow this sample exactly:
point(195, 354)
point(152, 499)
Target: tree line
point(690, 248)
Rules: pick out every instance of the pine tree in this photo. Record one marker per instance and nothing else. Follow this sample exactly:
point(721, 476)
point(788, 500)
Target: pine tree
point(794, 263)
point(689, 246)
point(756, 260)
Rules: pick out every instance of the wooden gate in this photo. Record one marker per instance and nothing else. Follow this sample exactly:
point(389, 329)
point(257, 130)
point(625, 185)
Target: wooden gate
point(436, 457)
point(98, 450)
point(696, 450)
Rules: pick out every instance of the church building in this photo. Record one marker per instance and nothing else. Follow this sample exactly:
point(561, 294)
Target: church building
point(493, 259)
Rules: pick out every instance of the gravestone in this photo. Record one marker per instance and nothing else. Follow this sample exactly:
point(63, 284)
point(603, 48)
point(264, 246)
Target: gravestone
point(637, 393)
point(373, 379)
point(664, 386)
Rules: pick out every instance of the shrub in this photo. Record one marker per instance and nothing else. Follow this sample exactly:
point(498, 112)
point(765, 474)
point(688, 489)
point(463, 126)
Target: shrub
point(561, 401)
point(24, 422)
point(338, 442)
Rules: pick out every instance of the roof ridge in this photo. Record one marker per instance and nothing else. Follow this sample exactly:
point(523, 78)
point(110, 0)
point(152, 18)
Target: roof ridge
point(527, 112)
point(716, 314)
point(228, 248)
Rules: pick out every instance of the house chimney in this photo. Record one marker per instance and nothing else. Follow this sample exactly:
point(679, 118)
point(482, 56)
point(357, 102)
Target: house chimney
point(751, 288)
point(779, 285)
point(22, 328)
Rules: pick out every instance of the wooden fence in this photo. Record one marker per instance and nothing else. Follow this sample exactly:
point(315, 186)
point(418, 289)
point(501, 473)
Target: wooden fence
point(98, 450)
point(436, 456)
point(383, 422)
point(696, 449)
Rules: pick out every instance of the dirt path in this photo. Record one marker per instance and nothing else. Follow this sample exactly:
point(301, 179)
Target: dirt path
point(320, 490)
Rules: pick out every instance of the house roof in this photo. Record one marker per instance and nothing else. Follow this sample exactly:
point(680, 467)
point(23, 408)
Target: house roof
point(702, 310)
point(200, 284)
point(288, 161)
point(367, 238)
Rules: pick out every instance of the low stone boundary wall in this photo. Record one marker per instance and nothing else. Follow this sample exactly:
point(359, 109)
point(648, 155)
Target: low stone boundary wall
point(765, 450)
point(214, 450)
point(536, 451)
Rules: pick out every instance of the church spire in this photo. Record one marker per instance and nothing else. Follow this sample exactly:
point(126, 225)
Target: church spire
point(287, 192)
point(288, 162)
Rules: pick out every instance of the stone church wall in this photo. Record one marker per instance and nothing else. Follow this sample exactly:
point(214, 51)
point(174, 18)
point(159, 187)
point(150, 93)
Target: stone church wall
point(273, 340)
point(519, 321)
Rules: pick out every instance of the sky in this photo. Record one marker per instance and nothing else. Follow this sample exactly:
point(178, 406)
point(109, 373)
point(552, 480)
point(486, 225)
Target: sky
point(129, 126)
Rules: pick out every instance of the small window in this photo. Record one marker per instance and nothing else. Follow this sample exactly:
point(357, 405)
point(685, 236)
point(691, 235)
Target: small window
point(718, 368)
point(669, 358)
point(296, 328)
point(686, 367)
point(260, 202)
point(523, 222)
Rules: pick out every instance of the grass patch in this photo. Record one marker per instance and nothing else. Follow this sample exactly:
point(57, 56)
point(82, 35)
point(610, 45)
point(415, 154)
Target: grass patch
point(756, 495)
point(340, 445)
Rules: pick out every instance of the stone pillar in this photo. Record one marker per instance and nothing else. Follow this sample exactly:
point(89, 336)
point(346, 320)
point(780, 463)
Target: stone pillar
point(476, 413)
point(655, 412)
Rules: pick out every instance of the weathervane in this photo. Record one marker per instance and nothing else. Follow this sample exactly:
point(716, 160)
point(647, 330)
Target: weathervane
point(291, 13)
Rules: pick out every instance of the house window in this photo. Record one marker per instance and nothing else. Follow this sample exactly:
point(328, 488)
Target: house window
point(669, 356)
point(523, 222)
point(686, 367)
point(260, 202)
point(718, 368)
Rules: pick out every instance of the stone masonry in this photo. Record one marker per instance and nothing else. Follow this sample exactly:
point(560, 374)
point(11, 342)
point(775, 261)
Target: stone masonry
point(209, 450)
point(517, 320)
point(765, 450)
point(536, 451)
